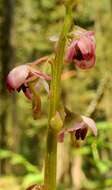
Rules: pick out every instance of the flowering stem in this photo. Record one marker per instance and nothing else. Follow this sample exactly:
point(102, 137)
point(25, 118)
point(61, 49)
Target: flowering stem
point(51, 148)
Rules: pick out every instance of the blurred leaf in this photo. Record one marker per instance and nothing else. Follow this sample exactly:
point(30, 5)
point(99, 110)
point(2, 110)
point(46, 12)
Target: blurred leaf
point(32, 179)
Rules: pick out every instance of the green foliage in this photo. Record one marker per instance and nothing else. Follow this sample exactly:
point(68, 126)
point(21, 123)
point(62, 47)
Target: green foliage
point(33, 175)
point(16, 159)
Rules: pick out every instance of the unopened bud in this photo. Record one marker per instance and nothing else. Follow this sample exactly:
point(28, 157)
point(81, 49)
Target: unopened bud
point(56, 122)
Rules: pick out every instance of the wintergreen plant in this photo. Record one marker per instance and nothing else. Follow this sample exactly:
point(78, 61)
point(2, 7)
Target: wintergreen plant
point(75, 46)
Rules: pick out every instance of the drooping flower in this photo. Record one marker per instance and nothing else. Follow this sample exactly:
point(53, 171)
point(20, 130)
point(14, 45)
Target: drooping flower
point(80, 129)
point(20, 76)
point(82, 49)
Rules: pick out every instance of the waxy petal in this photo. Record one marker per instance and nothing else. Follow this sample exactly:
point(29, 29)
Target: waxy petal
point(90, 123)
point(78, 126)
point(71, 52)
point(16, 77)
point(84, 45)
point(41, 75)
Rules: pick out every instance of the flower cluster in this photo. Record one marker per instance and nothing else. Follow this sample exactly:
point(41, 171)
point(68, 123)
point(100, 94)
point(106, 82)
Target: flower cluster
point(81, 51)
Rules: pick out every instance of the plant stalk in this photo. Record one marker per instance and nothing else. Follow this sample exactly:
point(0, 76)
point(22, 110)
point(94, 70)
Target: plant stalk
point(55, 91)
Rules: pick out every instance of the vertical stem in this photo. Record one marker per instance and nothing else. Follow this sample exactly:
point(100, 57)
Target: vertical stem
point(51, 148)
point(51, 161)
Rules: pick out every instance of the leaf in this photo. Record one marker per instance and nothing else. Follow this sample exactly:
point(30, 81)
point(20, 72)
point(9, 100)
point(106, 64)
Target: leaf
point(32, 178)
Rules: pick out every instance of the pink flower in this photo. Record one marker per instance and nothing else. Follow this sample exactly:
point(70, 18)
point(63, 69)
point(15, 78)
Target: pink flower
point(79, 129)
point(20, 76)
point(82, 50)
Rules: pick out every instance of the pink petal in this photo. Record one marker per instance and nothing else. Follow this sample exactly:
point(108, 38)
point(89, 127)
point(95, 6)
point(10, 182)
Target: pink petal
point(91, 35)
point(91, 38)
point(85, 41)
point(84, 45)
point(76, 127)
point(71, 52)
point(16, 77)
point(91, 124)
point(41, 75)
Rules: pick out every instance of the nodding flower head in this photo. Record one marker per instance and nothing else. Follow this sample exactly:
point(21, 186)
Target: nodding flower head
point(20, 76)
point(79, 129)
point(82, 50)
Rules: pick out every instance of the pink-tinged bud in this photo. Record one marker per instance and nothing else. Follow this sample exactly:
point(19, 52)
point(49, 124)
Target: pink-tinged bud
point(82, 50)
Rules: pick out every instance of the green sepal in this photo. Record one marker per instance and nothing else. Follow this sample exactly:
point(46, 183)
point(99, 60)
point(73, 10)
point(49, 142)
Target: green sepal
point(71, 118)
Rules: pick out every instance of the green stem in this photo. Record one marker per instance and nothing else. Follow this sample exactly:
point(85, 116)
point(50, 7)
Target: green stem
point(51, 148)
point(58, 63)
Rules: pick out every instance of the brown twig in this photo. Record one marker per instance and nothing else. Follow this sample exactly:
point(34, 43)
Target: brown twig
point(99, 95)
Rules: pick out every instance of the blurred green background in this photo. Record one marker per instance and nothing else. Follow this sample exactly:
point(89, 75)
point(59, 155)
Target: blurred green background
point(25, 29)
